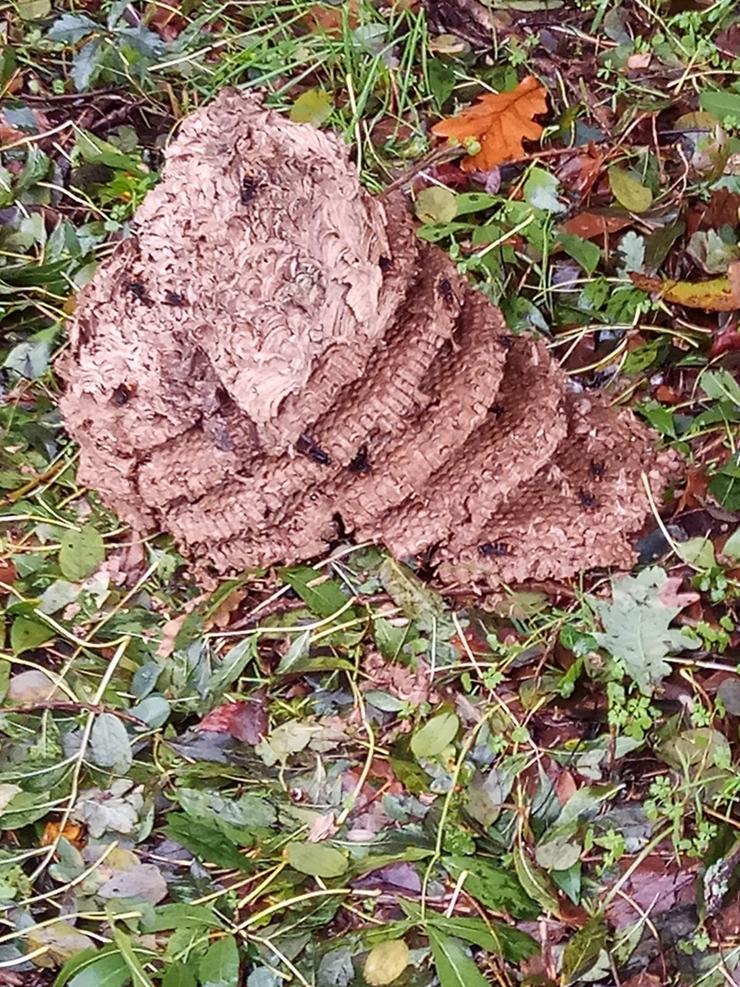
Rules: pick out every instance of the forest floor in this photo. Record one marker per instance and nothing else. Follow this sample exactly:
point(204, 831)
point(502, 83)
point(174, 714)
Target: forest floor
point(333, 775)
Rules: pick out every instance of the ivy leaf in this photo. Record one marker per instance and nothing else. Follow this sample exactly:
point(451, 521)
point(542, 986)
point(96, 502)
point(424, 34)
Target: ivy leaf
point(636, 626)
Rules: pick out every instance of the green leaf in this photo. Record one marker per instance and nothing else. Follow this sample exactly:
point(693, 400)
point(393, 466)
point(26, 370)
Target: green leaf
point(720, 385)
point(492, 886)
point(435, 735)
point(95, 150)
point(441, 80)
point(534, 882)
point(323, 596)
point(220, 965)
point(697, 551)
point(454, 967)
point(723, 105)
point(583, 252)
point(206, 842)
point(27, 633)
point(81, 553)
point(110, 746)
point(583, 949)
point(139, 976)
point(629, 191)
point(496, 938)
point(541, 191)
point(636, 626)
point(33, 10)
point(232, 665)
point(469, 202)
point(731, 549)
point(178, 975)
point(386, 962)
point(408, 591)
point(179, 916)
point(436, 205)
point(316, 859)
point(94, 968)
point(315, 106)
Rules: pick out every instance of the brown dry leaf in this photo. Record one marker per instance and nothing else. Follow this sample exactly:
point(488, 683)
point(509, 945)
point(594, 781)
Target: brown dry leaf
point(716, 295)
point(500, 122)
point(71, 831)
point(593, 225)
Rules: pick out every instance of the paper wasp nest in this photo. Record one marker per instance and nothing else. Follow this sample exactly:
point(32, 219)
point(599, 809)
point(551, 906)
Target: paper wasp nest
point(273, 358)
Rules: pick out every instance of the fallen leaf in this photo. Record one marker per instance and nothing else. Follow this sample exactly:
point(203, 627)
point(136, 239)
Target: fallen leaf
point(717, 295)
point(386, 962)
point(595, 225)
point(436, 205)
point(629, 191)
point(246, 721)
point(143, 881)
point(7, 574)
point(30, 686)
point(315, 106)
point(637, 625)
point(73, 832)
point(499, 122)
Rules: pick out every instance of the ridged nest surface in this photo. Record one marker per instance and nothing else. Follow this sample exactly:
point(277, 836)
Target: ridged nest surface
point(273, 359)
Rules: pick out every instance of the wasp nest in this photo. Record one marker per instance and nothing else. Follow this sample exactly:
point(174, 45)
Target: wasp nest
point(273, 359)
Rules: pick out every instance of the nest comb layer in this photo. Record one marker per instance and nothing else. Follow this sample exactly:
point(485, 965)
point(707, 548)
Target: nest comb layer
point(272, 359)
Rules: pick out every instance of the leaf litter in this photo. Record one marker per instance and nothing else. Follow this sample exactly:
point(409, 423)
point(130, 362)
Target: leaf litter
point(579, 819)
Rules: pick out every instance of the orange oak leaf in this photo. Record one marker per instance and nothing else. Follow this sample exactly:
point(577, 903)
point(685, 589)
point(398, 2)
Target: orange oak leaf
point(499, 122)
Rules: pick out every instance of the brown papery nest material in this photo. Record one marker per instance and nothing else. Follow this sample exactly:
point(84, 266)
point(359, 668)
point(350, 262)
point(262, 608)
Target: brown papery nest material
point(273, 359)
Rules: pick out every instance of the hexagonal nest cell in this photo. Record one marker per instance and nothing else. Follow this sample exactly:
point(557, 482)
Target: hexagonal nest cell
point(273, 359)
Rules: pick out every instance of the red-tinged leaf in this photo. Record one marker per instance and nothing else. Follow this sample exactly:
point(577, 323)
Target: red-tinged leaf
point(716, 295)
point(7, 574)
point(726, 341)
point(246, 721)
point(594, 225)
point(671, 596)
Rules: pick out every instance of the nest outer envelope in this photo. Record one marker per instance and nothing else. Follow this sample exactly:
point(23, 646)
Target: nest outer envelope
point(272, 358)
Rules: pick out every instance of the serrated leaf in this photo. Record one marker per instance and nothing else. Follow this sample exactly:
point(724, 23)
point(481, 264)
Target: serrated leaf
point(534, 881)
point(71, 28)
point(316, 859)
point(435, 735)
point(492, 886)
point(436, 205)
point(629, 190)
point(220, 965)
point(110, 746)
point(386, 962)
point(315, 106)
point(80, 553)
point(636, 627)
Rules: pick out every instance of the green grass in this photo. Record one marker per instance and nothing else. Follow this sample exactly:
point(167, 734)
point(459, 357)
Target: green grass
point(469, 753)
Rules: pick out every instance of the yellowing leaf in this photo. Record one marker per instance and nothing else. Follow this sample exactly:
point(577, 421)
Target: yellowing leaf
point(717, 295)
point(436, 205)
point(314, 106)
point(629, 191)
point(386, 962)
point(499, 122)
